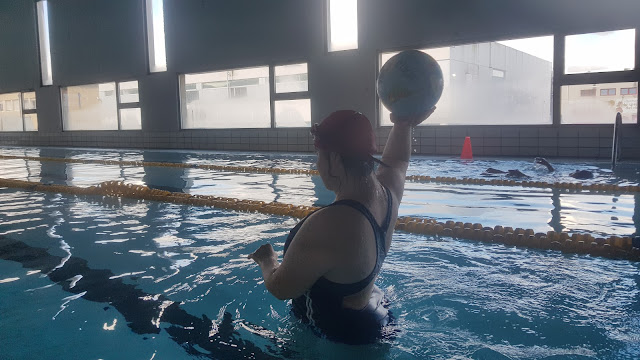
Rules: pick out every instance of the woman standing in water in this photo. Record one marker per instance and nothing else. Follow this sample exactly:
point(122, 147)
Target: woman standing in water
point(333, 256)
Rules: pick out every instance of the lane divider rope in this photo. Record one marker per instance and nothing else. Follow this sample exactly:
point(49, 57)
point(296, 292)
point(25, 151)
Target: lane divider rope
point(613, 246)
point(577, 187)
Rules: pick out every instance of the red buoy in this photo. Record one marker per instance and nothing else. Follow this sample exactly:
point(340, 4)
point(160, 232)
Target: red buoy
point(467, 154)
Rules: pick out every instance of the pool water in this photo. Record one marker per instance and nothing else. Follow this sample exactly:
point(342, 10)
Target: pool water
point(93, 278)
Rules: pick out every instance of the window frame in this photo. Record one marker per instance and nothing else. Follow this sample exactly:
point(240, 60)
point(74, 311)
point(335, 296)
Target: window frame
point(22, 111)
point(608, 90)
point(150, 29)
point(588, 92)
point(561, 79)
point(182, 92)
point(284, 96)
point(273, 95)
point(119, 105)
point(437, 45)
point(43, 38)
point(327, 11)
point(128, 105)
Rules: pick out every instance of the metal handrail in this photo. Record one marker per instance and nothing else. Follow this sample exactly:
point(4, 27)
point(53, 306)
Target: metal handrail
point(615, 149)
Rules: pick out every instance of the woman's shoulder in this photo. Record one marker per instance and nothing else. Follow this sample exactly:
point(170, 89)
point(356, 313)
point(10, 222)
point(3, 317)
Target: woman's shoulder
point(333, 223)
point(335, 216)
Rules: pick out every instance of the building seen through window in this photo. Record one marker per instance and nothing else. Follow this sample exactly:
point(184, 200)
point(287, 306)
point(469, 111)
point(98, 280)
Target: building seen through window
point(492, 83)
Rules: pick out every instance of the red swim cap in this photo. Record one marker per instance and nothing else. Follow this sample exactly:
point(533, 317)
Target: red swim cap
point(346, 132)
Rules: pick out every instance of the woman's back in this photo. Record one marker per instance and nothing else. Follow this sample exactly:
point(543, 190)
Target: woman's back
point(345, 298)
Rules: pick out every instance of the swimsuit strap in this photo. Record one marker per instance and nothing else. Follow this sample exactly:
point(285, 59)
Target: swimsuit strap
point(365, 211)
point(356, 205)
point(380, 235)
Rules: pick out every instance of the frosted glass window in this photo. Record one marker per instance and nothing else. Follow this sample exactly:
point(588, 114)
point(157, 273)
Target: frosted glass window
point(492, 83)
point(90, 107)
point(42, 8)
point(11, 115)
point(343, 25)
point(155, 36)
point(226, 99)
point(130, 119)
point(293, 113)
point(128, 92)
point(291, 78)
point(30, 122)
point(29, 101)
point(579, 109)
point(600, 52)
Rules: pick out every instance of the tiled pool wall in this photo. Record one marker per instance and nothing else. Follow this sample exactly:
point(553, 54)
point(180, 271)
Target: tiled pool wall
point(579, 141)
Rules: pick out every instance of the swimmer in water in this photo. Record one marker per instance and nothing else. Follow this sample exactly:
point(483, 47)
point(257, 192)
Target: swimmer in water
point(578, 174)
point(332, 257)
point(510, 173)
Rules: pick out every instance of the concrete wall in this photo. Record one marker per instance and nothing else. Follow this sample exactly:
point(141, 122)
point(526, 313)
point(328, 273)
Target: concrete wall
point(104, 40)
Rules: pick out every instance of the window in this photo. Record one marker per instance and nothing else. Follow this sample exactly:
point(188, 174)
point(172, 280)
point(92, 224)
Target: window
point(588, 92)
point(29, 115)
point(238, 92)
point(11, 119)
point(472, 95)
point(292, 105)
point(629, 91)
point(42, 8)
point(129, 112)
point(87, 107)
point(18, 112)
point(343, 24)
point(607, 92)
point(577, 109)
point(155, 36)
point(29, 101)
point(291, 78)
point(226, 99)
point(600, 52)
point(96, 107)
point(293, 113)
point(128, 92)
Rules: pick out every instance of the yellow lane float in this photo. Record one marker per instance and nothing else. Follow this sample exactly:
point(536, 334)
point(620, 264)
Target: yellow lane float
point(576, 187)
point(614, 246)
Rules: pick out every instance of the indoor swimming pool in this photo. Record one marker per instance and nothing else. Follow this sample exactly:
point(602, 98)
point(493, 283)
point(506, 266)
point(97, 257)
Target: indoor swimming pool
point(83, 275)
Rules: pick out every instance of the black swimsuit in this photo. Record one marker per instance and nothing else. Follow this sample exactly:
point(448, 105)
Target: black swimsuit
point(321, 306)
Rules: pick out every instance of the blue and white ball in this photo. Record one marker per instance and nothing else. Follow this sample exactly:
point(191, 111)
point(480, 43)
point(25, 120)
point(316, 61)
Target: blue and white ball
point(410, 83)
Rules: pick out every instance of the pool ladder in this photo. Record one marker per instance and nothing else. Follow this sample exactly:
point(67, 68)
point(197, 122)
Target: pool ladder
point(615, 149)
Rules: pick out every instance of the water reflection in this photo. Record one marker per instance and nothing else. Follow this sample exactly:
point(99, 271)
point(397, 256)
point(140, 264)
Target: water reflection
point(539, 209)
point(598, 213)
point(452, 297)
point(169, 179)
point(143, 312)
point(636, 214)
